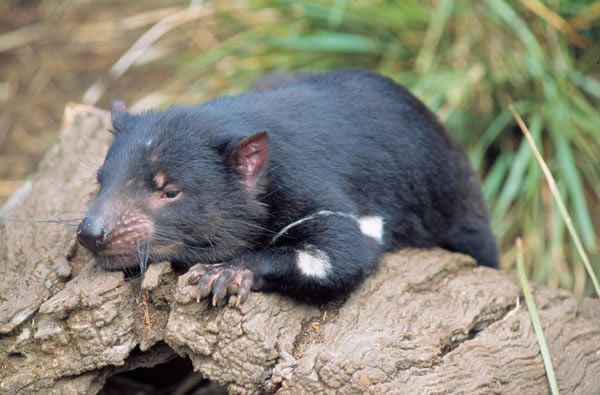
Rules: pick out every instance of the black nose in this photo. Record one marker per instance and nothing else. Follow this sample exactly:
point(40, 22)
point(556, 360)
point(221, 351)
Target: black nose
point(92, 234)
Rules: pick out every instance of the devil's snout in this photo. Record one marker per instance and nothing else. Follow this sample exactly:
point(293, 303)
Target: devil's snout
point(92, 233)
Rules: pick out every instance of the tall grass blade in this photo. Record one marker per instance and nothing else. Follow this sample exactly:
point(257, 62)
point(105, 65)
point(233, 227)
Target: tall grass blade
point(558, 200)
point(327, 41)
point(535, 320)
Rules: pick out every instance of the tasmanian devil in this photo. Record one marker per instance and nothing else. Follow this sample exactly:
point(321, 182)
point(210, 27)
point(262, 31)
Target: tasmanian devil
point(298, 186)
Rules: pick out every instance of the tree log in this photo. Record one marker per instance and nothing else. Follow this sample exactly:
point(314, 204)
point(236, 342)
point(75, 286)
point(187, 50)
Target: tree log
point(427, 321)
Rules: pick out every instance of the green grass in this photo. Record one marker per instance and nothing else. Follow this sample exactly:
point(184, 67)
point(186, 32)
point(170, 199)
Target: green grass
point(559, 202)
point(536, 323)
point(467, 60)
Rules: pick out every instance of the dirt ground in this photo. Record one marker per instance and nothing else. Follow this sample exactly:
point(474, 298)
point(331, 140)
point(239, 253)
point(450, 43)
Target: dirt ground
point(51, 53)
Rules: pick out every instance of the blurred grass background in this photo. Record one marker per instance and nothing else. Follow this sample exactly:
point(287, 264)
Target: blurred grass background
point(466, 59)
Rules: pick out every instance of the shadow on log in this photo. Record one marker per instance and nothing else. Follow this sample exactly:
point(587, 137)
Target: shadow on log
point(428, 321)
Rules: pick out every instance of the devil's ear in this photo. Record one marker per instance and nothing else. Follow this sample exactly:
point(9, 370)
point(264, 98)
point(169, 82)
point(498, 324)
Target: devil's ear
point(249, 157)
point(118, 112)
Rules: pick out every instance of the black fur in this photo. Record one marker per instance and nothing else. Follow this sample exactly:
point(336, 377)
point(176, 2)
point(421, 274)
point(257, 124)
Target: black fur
point(348, 141)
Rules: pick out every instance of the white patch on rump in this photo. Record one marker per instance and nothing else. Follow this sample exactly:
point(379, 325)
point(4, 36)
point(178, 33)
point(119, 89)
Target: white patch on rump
point(314, 263)
point(372, 227)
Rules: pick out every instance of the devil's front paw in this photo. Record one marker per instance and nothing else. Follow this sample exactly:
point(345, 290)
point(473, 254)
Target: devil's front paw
point(220, 282)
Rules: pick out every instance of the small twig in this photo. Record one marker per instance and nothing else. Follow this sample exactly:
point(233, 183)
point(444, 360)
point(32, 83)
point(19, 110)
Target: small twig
point(22, 36)
point(513, 311)
point(586, 17)
point(147, 321)
point(559, 202)
point(95, 92)
point(556, 21)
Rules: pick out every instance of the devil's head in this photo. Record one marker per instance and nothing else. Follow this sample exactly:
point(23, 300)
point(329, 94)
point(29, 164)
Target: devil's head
point(178, 185)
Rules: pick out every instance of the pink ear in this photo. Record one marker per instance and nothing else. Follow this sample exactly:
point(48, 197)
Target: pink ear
point(117, 106)
point(250, 157)
point(118, 111)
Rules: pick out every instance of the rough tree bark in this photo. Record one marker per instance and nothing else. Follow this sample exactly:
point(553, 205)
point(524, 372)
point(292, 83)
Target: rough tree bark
point(428, 321)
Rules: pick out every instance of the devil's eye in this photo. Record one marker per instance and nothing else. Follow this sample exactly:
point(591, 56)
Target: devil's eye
point(170, 194)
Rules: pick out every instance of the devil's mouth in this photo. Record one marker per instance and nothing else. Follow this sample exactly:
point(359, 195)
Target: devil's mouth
point(124, 260)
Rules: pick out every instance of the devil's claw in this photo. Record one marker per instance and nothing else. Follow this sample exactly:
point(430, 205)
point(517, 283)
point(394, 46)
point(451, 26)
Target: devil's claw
point(221, 282)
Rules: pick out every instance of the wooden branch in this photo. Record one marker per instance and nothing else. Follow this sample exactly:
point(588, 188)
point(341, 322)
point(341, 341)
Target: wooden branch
point(428, 321)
